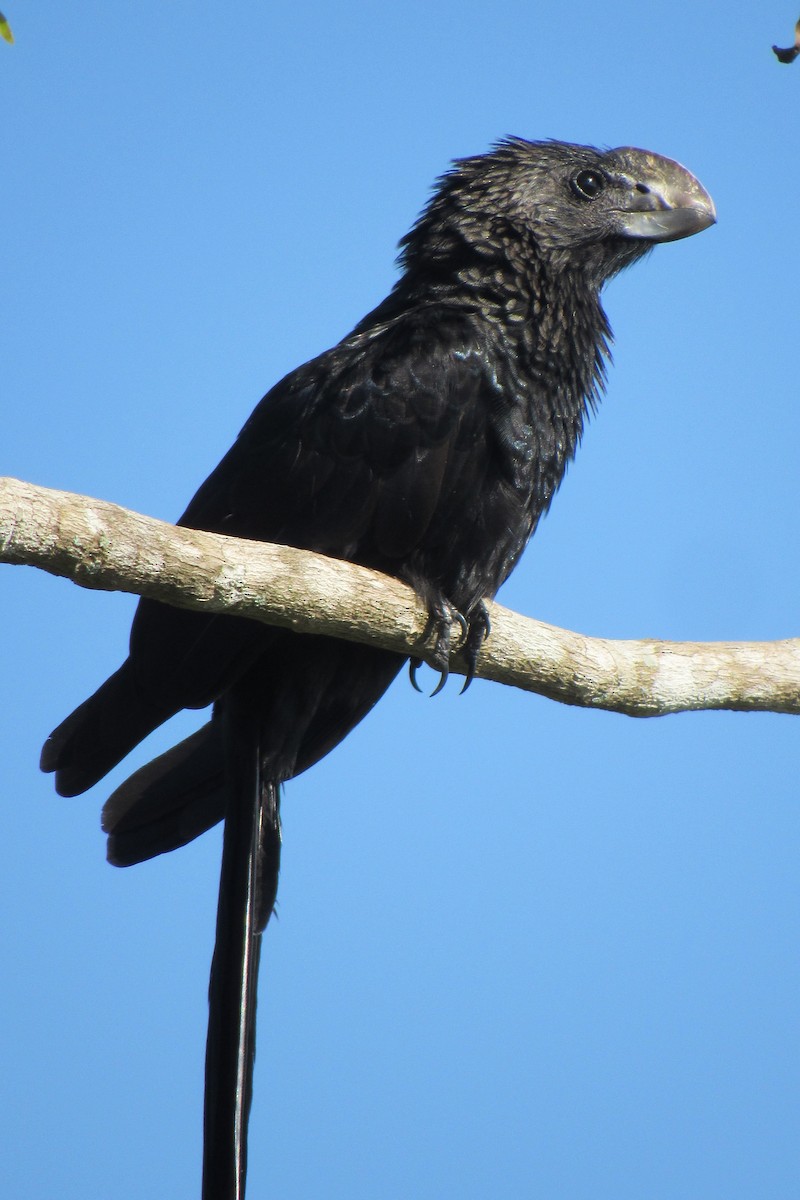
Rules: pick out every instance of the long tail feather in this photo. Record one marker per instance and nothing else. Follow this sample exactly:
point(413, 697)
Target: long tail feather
point(248, 886)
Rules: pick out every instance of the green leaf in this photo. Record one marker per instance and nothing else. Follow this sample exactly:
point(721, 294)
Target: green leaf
point(5, 29)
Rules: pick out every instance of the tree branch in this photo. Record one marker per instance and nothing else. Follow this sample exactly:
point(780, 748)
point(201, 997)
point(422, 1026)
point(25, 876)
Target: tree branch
point(99, 545)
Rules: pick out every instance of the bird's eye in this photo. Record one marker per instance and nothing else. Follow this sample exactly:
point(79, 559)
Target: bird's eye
point(588, 184)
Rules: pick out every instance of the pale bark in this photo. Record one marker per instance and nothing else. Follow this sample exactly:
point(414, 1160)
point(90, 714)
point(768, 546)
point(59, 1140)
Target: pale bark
point(99, 545)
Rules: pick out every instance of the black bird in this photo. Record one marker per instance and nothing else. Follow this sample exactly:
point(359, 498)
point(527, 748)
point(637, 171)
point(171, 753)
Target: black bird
point(426, 444)
point(790, 53)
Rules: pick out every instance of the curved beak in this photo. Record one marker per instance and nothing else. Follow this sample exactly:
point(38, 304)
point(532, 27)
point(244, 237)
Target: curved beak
point(666, 201)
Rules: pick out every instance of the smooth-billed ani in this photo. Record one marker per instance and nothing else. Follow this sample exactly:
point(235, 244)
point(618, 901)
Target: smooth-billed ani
point(426, 444)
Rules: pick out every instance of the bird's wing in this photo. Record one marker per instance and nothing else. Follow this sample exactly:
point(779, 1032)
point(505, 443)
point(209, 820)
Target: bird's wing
point(352, 455)
point(347, 446)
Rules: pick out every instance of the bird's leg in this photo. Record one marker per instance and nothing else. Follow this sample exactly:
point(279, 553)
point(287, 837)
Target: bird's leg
point(479, 629)
point(441, 618)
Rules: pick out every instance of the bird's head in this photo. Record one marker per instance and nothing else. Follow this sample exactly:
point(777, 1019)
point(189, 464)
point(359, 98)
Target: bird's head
point(571, 207)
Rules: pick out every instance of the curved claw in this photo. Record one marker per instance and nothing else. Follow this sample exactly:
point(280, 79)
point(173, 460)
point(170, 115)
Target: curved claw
point(414, 665)
point(479, 630)
point(463, 625)
point(443, 677)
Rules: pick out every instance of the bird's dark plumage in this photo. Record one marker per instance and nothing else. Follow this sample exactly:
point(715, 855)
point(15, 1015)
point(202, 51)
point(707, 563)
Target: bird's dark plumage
point(427, 444)
point(788, 54)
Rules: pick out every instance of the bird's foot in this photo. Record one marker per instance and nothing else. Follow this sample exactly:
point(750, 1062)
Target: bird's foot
point(441, 619)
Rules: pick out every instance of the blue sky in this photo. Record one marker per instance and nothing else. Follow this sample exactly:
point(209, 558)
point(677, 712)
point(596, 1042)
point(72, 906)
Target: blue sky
point(523, 950)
